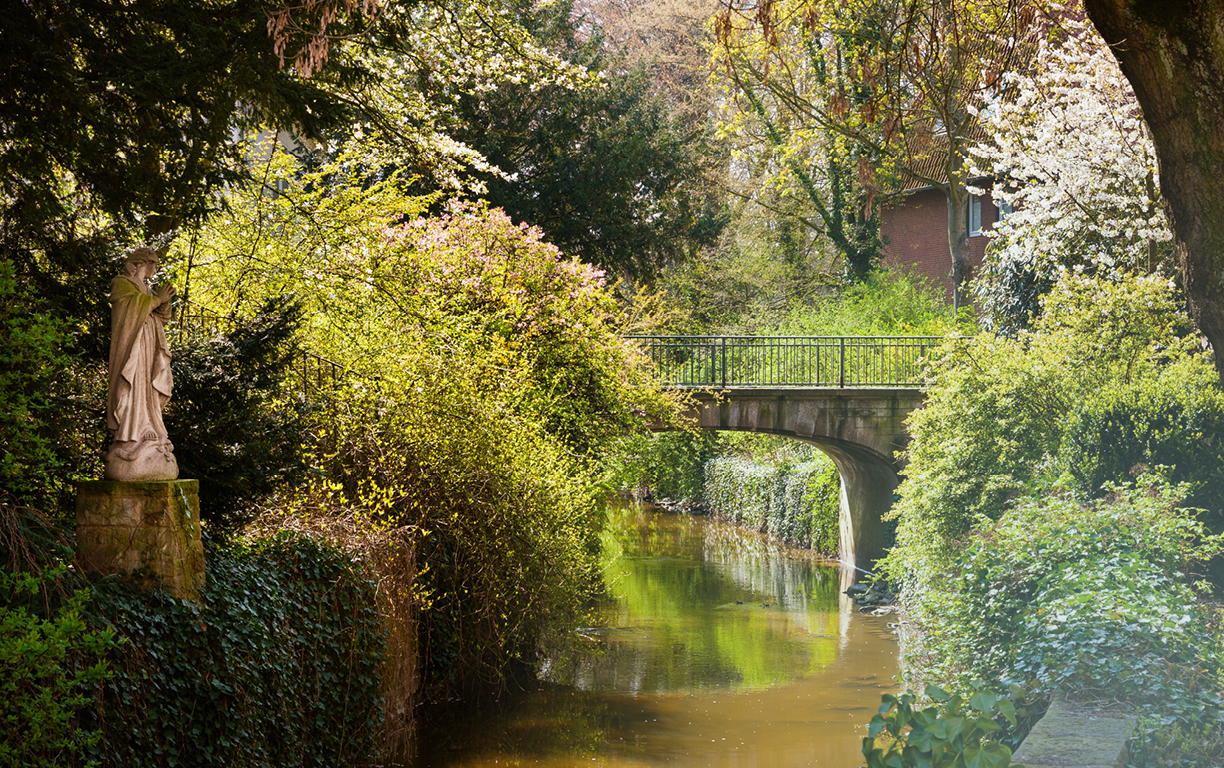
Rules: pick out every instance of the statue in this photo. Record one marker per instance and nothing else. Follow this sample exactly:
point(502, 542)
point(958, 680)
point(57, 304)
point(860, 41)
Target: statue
point(140, 381)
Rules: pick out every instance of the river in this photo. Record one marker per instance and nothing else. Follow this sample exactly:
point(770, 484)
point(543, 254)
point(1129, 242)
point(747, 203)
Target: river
point(719, 647)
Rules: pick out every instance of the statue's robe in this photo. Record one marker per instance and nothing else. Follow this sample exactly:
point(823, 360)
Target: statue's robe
point(140, 381)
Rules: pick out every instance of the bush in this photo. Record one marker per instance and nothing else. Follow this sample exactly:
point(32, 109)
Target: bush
point(956, 732)
point(1175, 421)
point(31, 361)
point(485, 379)
point(664, 465)
point(505, 519)
point(278, 666)
point(1019, 560)
point(888, 303)
point(997, 408)
point(1064, 596)
point(51, 665)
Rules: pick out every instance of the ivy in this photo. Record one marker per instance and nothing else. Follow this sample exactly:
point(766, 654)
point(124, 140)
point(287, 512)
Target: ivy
point(954, 732)
point(798, 504)
point(278, 665)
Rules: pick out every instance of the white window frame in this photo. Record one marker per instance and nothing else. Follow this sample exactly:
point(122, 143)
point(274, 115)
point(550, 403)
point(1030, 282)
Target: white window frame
point(973, 216)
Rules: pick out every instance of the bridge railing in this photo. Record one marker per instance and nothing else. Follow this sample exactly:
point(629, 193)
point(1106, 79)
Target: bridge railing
point(789, 361)
point(309, 374)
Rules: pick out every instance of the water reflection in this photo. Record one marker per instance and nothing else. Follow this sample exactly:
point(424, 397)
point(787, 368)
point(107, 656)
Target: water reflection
point(718, 648)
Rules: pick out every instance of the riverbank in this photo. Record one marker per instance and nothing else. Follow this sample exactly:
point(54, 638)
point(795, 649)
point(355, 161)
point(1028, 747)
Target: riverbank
point(783, 488)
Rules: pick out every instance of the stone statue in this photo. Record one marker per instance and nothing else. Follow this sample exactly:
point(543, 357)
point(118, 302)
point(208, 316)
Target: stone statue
point(140, 381)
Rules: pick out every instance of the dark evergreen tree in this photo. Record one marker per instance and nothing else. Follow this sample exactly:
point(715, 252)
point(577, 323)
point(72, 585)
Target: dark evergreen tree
point(242, 437)
point(607, 172)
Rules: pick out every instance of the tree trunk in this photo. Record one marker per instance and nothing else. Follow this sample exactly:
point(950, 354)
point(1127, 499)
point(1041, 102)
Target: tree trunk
point(1173, 55)
point(958, 240)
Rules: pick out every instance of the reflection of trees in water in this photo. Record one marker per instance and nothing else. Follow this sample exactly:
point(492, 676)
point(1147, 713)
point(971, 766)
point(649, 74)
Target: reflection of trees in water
point(763, 566)
point(700, 605)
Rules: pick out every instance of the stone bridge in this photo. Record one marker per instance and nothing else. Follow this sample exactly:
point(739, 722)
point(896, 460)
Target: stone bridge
point(848, 396)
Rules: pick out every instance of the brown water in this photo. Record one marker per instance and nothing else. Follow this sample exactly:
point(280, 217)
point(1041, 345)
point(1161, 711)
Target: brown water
point(720, 648)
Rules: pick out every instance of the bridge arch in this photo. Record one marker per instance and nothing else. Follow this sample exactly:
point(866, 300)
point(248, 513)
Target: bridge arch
point(847, 395)
point(861, 430)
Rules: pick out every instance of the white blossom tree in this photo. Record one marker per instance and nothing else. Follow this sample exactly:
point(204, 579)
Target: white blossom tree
point(1071, 155)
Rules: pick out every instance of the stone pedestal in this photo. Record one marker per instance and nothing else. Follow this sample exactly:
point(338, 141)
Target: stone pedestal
point(123, 526)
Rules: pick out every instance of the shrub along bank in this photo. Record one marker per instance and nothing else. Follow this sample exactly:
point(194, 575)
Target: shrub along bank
point(777, 486)
point(279, 665)
point(794, 502)
point(1042, 540)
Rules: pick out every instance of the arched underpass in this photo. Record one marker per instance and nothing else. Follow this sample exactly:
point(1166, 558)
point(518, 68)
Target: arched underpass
point(860, 430)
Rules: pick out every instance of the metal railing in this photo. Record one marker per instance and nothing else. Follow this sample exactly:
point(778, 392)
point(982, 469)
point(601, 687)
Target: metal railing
point(788, 361)
point(309, 374)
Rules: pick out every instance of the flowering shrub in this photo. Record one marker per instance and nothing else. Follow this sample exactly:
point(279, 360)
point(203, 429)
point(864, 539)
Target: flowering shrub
point(497, 290)
point(485, 379)
point(1073, 158)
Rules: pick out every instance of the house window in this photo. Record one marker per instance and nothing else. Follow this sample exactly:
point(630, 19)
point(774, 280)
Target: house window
point(1004, 209)
point(975, 216)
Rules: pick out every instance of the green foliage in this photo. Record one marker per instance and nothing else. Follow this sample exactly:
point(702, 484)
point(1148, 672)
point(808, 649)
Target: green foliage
point(956, 733)
point(506, 519)
point(498, 292)
point(137, 104)
point(892, 303)
point(1009, 294)
point(50, 665)
point(1011, 569)
point(607, 174)
point(823, 496)
point(665, 465)
point(1174, 420)
point(235, 432)
point(485, 377)
point(796, 502)
point(1067, 596)
point(279, 665)
point(775, 90)
point(997, 408)
point(1185, 745)
point(740, 287)
point(31, 361)
point(469, 283)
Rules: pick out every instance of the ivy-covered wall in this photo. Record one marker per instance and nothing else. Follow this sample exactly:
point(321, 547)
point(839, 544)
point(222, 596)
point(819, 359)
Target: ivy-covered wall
point(279, 665)
point(797, 503)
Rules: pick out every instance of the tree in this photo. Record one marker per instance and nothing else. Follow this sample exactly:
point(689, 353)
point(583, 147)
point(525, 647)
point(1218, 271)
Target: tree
point(120, 122)
point(606, 170)
point(788, 164)
point(1172, 56)
point(1068, 150)
point(669, 38)
point(138, 103)
point(900, 81)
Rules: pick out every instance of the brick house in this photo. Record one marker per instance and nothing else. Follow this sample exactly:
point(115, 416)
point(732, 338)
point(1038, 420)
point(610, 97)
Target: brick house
point(915, 227)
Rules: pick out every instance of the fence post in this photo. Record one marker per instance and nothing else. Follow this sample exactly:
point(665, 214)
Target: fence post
point(723, 360)
point(841, 360)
